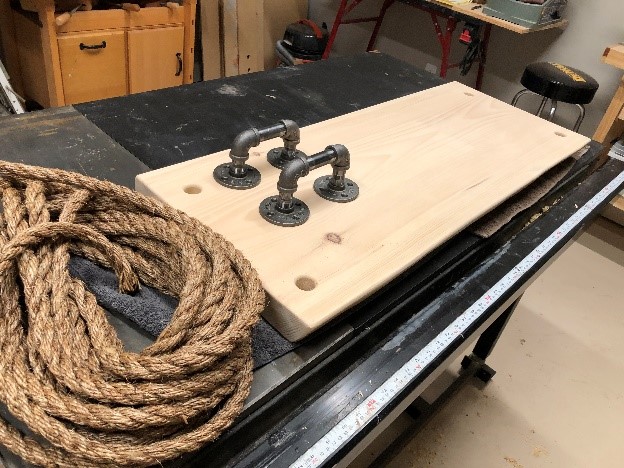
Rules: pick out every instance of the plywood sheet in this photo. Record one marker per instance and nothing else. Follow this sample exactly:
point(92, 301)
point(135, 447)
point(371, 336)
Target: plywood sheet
point(427, 165)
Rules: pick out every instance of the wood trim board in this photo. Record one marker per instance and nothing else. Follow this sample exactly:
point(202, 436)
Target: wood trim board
point(95, 20)
point(190, 8)
point(250, 18)
point(229, 39)
point(211, 39)
point(614, 55)
point(611, 126)
point(427, 165)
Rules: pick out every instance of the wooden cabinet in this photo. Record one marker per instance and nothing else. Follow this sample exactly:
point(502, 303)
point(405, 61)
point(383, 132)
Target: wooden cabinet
point(97, 54)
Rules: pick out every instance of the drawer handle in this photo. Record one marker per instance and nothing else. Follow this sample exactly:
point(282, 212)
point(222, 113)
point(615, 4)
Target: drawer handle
point(83, 46)
point(179, 57)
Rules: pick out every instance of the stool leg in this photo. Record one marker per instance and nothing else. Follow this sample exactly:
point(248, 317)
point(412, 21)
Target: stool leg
point(514, 101)
point(581, 116)
point(553, 109)
point(541, 107)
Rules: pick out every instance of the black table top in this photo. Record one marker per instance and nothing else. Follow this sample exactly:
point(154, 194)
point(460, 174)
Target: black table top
point(169, 126)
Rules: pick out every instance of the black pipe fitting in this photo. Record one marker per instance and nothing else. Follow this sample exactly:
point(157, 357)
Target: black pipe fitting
point(286, 210)
point(278, 157)
point(238, 174)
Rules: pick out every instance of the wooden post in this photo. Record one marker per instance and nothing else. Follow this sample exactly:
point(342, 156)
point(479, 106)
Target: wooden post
point(51, 60)
point(189, 40)
point(229, 27)
point(250, 36)
point(211, 39)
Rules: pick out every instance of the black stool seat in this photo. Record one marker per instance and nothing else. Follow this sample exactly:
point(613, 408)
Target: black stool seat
point(559, 82)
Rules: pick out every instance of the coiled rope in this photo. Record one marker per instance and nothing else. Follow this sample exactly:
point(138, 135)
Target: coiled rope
point(63, 371)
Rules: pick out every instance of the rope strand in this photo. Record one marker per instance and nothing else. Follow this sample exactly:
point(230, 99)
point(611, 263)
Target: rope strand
point(63, 371)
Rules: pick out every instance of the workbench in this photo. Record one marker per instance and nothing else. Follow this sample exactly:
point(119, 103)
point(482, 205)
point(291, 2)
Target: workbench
point(323, 401)
point(438, 10)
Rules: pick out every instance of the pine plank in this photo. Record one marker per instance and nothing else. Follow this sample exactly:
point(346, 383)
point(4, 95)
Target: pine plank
point(229, 40)
point(211, 39)
point(427, 165)
point(250, 33)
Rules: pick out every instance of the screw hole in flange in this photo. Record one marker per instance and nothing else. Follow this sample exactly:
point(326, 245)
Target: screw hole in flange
point(305, 283)
point(192, 189)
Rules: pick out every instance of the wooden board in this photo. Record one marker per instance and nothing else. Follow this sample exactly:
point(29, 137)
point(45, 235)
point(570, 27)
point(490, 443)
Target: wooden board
point(250, 16)
point(229, 39)
point(190, 13)
point(211, 39)
point(614, 55)
point(153, 58)
point(427, 165)
point(611, 126)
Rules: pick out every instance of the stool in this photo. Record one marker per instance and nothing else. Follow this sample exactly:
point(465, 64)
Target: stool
point(558, 83)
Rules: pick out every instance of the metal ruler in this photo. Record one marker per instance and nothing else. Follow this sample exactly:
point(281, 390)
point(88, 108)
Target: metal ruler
point(369, 408)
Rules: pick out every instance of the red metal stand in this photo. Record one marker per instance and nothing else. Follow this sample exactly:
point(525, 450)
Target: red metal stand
point(445, 37)
point(445, 40)
point(344, 9)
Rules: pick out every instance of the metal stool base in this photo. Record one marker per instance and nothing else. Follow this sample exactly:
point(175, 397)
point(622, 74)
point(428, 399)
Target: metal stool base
point(553, 108)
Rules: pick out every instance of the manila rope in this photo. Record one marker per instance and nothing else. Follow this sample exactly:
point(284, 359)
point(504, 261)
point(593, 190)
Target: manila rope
point(64, 373)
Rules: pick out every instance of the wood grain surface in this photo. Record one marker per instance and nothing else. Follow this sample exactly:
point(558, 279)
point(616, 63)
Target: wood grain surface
point(152, 58)
point(427, 165)
point(89, 75)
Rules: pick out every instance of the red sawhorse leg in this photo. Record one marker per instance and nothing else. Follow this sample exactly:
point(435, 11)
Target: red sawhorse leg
point(344, 9)
point(445, 38)
point(371, 43)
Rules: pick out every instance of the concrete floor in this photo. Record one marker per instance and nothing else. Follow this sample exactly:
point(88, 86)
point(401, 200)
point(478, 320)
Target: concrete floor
point(558, 397)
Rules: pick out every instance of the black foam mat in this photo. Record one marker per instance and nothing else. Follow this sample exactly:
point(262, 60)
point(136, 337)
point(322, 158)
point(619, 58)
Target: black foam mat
point(152, 310)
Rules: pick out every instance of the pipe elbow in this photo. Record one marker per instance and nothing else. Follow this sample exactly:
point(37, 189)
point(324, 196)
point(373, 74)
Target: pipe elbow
point(243, 142)
point(291, 173)
point(343, 157)
point(292, 131)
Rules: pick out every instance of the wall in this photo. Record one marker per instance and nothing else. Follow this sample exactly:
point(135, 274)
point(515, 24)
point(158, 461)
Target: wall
point(408, 34)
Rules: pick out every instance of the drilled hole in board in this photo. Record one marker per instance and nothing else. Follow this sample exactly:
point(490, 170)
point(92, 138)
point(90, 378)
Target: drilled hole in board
point(305, 283)
point(192, 189)
point(468, 94)
point(560, 134)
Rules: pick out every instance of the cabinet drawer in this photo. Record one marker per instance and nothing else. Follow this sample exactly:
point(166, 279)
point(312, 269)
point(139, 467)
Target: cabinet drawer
point(93, 66)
